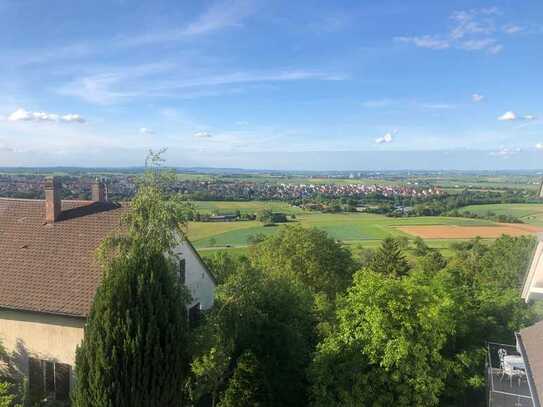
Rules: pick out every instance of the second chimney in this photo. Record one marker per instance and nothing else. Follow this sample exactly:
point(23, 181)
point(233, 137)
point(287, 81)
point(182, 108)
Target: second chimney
point(53, 205)
point(98, 191)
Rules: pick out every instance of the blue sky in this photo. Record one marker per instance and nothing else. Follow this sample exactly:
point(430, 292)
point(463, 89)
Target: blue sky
point(241, 83)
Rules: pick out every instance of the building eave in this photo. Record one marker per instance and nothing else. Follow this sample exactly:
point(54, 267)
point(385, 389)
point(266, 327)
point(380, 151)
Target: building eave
point(529, 374)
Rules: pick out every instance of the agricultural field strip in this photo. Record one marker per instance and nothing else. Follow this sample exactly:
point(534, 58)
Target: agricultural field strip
point(348, 228)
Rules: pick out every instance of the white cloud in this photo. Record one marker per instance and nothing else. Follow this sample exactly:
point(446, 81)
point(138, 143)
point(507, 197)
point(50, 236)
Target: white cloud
point(470, 23)
point(476, 97)
point(386, 138)
point(146, 131)
point(72, 118)
point(22, 115)
point(471, 30)
point(508, 116)
point(426, 41)
point(511, 116)
point(512, 29)
point(202, 135)
point(539, 146)
point(479, 44)
point(505, 152)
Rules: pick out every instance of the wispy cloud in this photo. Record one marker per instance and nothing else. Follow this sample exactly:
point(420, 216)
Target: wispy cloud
point(248, 77)
point(123, 85)
point(476, 98)
point(146, 131)
point(202, 135)
point(471, 30)
point(512, 29)
point(22, 115)
point(219, 16)
point(505, 152)
point(486, 44)
point(426, 41)
point(407, 104)
point(43, 55)
point(115, 85)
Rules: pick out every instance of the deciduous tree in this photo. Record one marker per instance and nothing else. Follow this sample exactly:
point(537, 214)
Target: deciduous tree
point(308, 255)
point(388, 346)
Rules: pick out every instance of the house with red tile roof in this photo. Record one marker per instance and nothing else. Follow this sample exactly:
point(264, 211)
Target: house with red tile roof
point(49, 275)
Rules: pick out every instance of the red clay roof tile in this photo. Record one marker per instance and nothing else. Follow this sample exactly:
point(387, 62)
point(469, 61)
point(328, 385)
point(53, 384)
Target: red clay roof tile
point(52, 267)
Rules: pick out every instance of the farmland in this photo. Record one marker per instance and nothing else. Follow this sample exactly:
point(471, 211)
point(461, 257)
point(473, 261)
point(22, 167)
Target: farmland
point(528, 213)
point(353, 229)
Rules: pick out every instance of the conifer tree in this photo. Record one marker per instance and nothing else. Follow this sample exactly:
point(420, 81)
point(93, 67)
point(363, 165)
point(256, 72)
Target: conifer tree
point(134, 351)
point(389, 259)
point(134, 348)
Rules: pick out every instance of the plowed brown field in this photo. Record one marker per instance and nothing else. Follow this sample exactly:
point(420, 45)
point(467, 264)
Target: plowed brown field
point(468, 232)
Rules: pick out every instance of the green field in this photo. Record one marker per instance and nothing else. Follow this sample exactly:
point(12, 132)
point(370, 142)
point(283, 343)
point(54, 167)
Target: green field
point(528, 213)
point(352, 229)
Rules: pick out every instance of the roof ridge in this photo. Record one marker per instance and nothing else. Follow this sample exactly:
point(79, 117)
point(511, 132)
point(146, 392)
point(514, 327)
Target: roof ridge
point(5, 198)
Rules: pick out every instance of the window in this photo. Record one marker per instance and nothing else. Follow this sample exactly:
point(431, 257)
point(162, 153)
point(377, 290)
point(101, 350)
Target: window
point(194, 315)
point(182, 270)
point(48, 380)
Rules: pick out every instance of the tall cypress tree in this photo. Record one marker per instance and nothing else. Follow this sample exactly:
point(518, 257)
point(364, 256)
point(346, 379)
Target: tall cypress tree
point(134, 350)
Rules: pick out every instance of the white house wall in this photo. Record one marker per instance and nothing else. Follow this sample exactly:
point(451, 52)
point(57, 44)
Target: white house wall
point(533, 284)
point(197, 278)
point(43, 336)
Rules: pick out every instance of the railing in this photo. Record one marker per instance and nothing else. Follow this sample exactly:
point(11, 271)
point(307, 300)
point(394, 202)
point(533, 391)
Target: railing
point(507, 387)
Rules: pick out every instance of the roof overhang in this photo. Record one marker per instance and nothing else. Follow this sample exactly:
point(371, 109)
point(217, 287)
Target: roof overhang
point(529, 372)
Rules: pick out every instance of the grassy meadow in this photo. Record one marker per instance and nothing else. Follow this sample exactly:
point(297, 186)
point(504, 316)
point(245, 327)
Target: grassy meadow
point(529, 213)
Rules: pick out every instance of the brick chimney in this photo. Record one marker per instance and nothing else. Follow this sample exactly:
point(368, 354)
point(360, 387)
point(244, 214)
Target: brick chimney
point(98, 191)
point(53, 205)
